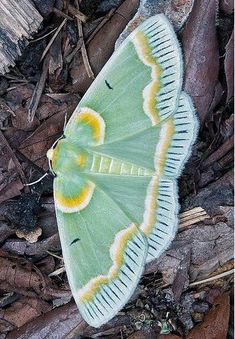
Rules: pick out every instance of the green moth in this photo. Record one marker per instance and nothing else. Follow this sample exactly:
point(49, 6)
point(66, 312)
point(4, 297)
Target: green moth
point(117, 166)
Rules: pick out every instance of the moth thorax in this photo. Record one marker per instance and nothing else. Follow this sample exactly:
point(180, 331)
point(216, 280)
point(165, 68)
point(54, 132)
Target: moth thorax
point(66, 157)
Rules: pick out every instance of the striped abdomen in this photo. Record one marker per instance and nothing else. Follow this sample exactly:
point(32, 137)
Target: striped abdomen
point(109, 165)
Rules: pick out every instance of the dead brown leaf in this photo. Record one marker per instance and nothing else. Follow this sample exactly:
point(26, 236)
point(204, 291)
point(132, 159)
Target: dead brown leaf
point(229, 67)
point(22, 311)
point(46, 265)
point(56, 323)
point(168, 336)
point(5, 113)
point(227, 6)
point(38, 143)
point(5, 232)
point(10, 185)
point(38, 249)
point(101, 46)
point(219, 153)
point(15, 136)
point(26, 279)
point(66, 322)
point(20, 277)
point(20, 120)
point(215, 324)
point(35, 146)
point(11, 173)
point(201, 55)
point(49, 107)
point(19, 96)
point(150, 334)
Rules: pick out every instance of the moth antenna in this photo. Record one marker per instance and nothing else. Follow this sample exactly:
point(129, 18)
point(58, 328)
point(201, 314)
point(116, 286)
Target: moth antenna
point(51, 169)
point(36, 181)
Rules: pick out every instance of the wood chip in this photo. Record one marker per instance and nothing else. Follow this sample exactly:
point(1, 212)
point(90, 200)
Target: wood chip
point(19, 19)
point(192, 217)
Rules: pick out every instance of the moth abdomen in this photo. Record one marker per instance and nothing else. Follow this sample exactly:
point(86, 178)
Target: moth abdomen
point(109, 165)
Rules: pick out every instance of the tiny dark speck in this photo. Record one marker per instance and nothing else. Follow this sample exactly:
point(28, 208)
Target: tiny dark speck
point(108, 85)
point(74, 241)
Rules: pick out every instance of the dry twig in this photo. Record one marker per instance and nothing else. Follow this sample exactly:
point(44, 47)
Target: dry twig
point(192, 217)
point(83, 47)
point(44, 36)
point(76, 12)
point(215, 277)
point(53, 38)
point(70, 57)
point(101, 24)
point(37, 93)
point(60, 13)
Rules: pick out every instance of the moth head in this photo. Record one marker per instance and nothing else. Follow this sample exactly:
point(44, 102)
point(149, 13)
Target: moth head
point(52, 156)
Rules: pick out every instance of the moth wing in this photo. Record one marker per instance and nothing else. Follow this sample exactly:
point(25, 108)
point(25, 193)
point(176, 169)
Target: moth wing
point(151, 192)
point(133, 100)
point(178, 151)
point(139, 86)
point(104, 253)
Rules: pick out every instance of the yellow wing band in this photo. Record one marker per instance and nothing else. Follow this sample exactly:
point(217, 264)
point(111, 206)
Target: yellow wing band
point(94, 120)
point(74, 203)
point(117, 249)
point(150, 215)
point(150, 91)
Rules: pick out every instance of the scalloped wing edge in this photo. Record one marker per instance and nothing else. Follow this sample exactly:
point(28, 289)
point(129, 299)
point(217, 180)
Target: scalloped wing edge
point(159, 49)
point(112, 297)
point(185, 126)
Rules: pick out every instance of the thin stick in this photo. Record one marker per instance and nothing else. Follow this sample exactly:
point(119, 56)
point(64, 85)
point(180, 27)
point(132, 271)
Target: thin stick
point(55, 255)
point(53, 38)
point(44, 36)
point(191, 222)
point(76, 12)
point(192, 217)
point(192, 211)
point(83, 48)
point(215, 277)
point(70, 57)
point(101, 24)
point(37, 93)
point(57, 272)
point(60, 13)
